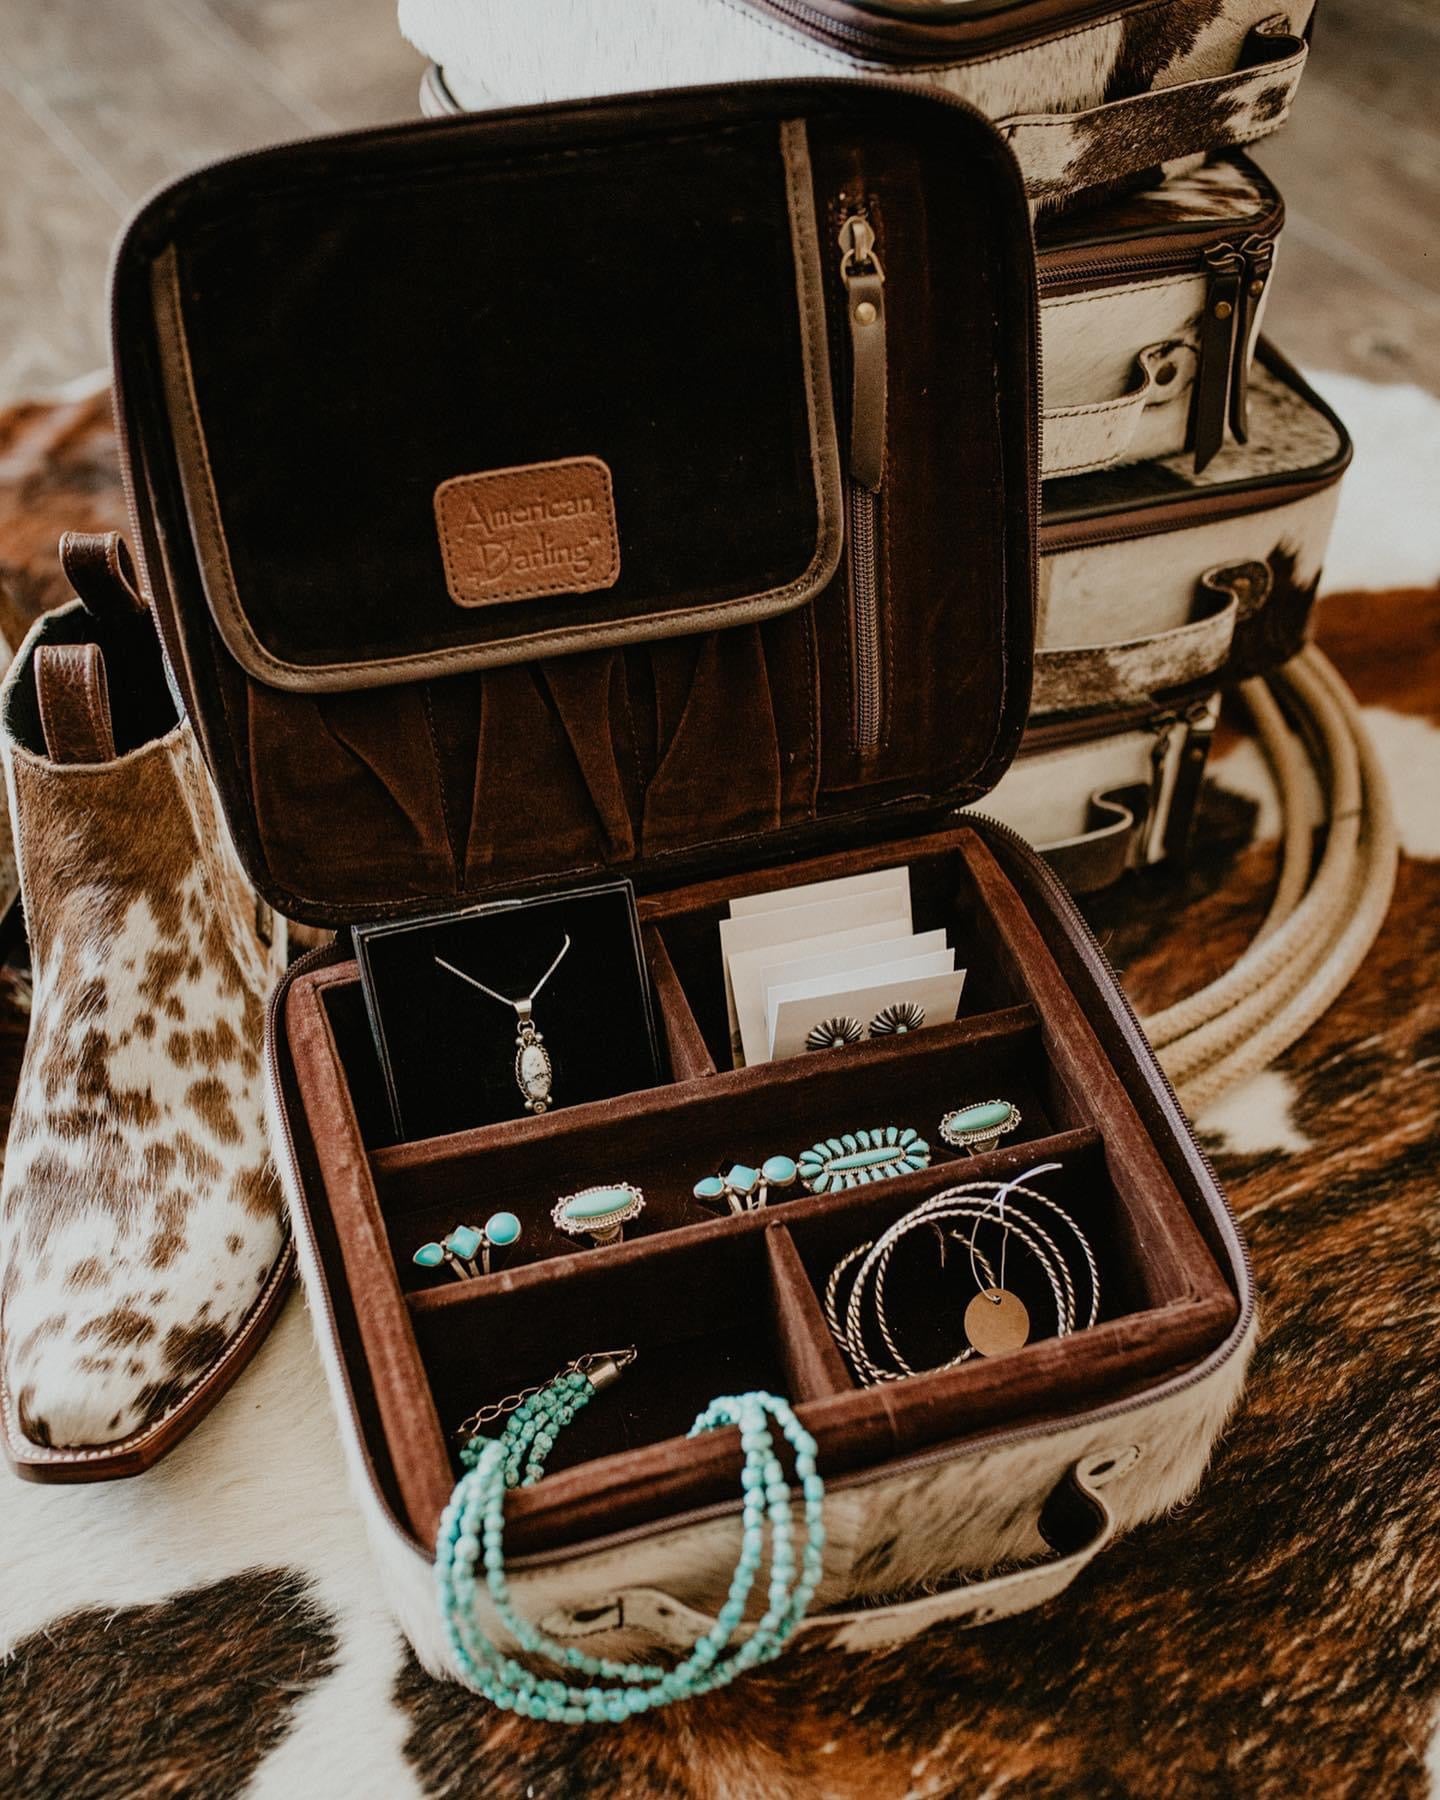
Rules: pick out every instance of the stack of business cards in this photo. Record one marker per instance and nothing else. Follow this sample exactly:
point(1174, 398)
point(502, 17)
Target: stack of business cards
point(843, 949)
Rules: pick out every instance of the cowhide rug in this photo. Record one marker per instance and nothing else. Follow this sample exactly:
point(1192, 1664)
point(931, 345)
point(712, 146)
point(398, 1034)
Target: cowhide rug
point(212, 1628)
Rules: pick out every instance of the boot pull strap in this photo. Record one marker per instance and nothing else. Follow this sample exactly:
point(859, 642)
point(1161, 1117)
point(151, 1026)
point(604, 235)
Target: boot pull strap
point(99, 567)
point(74, 701)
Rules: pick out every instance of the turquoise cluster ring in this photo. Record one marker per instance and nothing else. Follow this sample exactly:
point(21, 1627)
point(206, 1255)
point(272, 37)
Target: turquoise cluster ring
point(457, 1250)
point(979, 1126)
point(745, 1188)
point(599, 1213)
point(855, 1157)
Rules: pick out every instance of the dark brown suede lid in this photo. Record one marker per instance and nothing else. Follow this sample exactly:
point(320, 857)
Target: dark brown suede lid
point(495, 491)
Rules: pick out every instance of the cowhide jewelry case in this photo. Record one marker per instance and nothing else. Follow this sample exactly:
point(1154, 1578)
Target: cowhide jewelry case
point(1089, 94)
point(800, 646)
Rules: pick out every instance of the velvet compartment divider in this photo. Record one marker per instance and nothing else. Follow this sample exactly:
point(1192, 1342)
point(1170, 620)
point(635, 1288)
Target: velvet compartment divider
point(718, 1302)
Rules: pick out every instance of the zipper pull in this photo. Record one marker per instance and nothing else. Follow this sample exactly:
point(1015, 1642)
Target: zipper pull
point(1226, 264)
point(1163, 729)
point(1259, 256)
point(864, 281)
point(1199, 725)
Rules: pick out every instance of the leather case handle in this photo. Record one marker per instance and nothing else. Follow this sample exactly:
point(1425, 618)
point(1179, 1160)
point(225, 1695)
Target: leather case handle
point(1075, 1520)
point(1101, 854)
point(1101, 434)
point(1132, 671)
point(1062, 153)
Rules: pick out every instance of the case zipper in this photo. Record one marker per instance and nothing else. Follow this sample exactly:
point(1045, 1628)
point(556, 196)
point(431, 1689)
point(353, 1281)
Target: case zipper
point(864, 282)
point(1084, 527)
point(900, 33)
point(1168, 827)
point(1238, 273)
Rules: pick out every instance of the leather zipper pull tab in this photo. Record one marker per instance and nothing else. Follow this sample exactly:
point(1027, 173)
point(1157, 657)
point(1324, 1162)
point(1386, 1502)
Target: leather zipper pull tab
point(864, 281)
point(1217, 344)
point(1199, 727)
point(1259, 255)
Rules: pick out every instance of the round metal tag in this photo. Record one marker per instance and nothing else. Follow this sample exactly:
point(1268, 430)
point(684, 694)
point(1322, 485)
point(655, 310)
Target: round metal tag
point(996, 1321)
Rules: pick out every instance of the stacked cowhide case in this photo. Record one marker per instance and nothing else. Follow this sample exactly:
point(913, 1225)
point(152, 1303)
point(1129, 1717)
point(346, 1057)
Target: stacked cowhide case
point(1189, 479)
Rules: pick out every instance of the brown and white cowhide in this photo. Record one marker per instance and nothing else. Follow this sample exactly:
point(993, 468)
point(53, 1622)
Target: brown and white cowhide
point(140, 1219)
point(1160, 60)
point(212, 1628)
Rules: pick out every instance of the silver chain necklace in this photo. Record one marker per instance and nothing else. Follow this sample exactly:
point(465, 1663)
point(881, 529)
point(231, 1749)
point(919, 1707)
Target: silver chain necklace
point(534, 1071)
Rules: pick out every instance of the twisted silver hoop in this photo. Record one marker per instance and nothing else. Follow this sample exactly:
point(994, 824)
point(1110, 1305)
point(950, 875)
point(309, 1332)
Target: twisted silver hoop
point(981, 1203)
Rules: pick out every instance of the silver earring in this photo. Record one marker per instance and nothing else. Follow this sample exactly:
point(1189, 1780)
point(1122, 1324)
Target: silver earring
point(895, 1021)
point(834, 1034)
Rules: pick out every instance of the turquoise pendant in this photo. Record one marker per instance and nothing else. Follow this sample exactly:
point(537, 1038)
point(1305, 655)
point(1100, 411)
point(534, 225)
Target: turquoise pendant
point(599, 1213)
point(856, 1157)
point(981, 1126)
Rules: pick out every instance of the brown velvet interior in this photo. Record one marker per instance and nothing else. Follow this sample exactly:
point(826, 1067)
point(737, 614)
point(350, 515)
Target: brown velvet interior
point(714, 1302)
point(633, 299)
point(363, 317)
point(667, 1142)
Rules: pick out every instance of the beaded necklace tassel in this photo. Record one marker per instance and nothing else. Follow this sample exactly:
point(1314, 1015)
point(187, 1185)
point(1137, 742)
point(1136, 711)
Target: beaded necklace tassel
point(472, 1531)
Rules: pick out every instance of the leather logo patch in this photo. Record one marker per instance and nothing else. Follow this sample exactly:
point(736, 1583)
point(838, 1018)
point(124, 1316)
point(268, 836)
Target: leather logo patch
point(514, 534)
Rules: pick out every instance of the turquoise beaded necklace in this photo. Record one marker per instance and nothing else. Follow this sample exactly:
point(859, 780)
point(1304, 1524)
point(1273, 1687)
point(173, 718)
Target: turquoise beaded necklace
point(473, 1524)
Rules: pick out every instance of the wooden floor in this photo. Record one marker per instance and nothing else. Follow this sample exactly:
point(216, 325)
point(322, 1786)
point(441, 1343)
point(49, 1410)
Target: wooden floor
point(100, 101)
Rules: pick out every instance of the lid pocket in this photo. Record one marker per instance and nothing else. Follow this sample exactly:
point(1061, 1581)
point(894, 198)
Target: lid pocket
point(507, 406)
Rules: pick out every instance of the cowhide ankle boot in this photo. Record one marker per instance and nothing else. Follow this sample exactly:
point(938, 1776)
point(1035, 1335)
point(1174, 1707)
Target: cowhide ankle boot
point(143, 1252)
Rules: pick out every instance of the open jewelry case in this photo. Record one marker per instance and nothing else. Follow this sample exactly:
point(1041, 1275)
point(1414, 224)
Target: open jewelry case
point(728, 1303)
point(808, 656)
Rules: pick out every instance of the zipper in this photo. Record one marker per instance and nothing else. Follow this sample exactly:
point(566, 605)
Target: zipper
point(1199, 726)
point(1163, 729)
point(1167, 828)
point(1258, 252)
point(902, 34)
point(1090, 525)
point(1237, 276)
point(863, 280)
point(1236, 272)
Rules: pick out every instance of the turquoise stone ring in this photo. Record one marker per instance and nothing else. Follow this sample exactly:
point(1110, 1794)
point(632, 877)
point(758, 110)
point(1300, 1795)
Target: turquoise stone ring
point(855, 1157)
point(980, 1126)
point(599, 1213)
point(743, 1188)
point(458, 1249)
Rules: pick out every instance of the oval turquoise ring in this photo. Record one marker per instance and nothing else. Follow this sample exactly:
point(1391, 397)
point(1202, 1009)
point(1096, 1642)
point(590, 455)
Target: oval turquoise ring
point(744, 1188)
point(981, 1126)
point(599, 1213)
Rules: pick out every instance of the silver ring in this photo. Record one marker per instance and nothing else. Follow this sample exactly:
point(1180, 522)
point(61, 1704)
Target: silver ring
point(979, 1126)
point(599, 1213)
